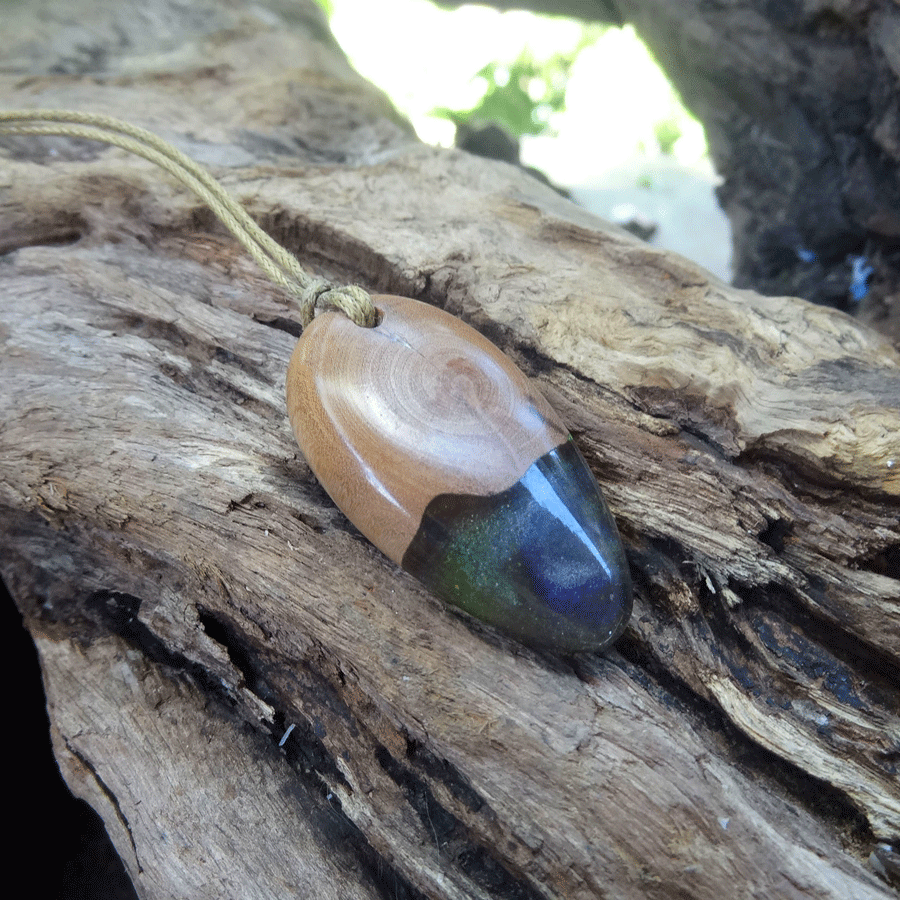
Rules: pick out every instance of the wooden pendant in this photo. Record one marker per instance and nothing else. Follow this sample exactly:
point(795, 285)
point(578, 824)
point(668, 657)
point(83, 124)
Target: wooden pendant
point(444, 456)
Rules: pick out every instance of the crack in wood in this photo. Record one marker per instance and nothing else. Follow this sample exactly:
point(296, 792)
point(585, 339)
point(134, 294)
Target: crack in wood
point(452, 838)
point(119, 612)
point(108, 793)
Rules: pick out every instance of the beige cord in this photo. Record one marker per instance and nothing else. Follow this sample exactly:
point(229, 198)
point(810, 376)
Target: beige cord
point(278, 264)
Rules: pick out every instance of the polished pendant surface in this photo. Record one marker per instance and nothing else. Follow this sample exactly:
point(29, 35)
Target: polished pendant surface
point(444, 455)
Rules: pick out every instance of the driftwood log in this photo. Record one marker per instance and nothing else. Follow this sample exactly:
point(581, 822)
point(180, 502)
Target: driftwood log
point(193, 593)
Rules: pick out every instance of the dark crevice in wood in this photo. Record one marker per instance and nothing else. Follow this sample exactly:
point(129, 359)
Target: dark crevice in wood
point(871, 664)
point(659, 565)
point(438, 822)
point(308, 755)
point(234, 360)
point(775, 532)
point(645, 668)
point(314, 767)
point(451, 837)
point(699, 440)
point(280, 323)
point(805, 481)
point(159, 332)
point(243, 657)
point(819, 651)
point(199, 380)
point(805, 790)
point(884, 562)
point(440, 770)
point(310, 522)
point(503, 337)
point(303, 746)
point(810, 658)
point(312, 764)
point(61, 234)
point(118, 611)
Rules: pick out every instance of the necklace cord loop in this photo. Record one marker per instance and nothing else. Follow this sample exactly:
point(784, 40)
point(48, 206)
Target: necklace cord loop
point(279, 265)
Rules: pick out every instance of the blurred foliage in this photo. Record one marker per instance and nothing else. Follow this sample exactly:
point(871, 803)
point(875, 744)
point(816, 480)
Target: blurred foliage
point(327, 6)
point(667, 132)
point(523, 95)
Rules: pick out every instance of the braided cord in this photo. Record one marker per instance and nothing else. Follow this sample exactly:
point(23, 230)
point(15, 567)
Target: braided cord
point(277, 263)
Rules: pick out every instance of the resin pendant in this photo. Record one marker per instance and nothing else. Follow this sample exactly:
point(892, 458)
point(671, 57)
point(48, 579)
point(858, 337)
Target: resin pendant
point(442, 453)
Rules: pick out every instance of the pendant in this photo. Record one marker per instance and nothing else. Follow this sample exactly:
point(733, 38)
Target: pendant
point(442, 453)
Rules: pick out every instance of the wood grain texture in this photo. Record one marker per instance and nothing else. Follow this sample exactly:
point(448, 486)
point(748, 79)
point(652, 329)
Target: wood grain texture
point(192, 590)
point(388, 418)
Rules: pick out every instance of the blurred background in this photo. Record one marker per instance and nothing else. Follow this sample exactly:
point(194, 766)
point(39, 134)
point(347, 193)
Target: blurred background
point(586, 105)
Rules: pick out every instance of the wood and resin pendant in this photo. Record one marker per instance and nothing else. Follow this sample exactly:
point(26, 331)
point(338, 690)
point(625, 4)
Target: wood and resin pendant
point(441, 452)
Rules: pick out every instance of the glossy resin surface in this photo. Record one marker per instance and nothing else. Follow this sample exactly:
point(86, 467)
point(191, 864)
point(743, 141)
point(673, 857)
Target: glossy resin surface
point(542, 560)
point(445, 456)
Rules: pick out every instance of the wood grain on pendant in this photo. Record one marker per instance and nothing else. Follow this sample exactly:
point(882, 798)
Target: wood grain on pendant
point(443, 454)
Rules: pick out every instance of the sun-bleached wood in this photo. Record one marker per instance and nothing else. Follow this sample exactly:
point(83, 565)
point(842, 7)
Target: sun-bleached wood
point(388, 418)
point(742, 739)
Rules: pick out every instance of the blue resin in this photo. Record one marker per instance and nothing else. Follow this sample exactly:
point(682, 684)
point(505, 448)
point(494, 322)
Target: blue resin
point(542, 561)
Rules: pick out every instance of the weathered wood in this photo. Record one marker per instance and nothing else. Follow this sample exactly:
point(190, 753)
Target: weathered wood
point(193, 592)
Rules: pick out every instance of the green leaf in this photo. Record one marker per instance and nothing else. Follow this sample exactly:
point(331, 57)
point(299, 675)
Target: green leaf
point(523, 94)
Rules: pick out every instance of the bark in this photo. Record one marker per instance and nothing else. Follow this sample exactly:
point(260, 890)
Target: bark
point(193, 593)
point(800, 106)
